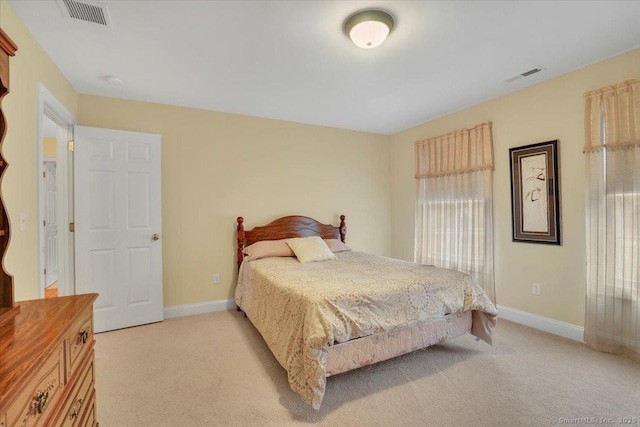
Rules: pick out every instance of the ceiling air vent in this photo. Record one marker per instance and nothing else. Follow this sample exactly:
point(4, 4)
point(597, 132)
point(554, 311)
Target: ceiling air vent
point(525, 74)
point(88, 11)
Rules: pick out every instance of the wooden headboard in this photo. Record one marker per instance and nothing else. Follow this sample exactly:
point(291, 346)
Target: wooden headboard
point(286, 228)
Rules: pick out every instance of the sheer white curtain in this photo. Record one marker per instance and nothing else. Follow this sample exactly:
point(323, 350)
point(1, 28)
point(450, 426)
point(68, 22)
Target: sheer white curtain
point(454, 207)
point(612, 151)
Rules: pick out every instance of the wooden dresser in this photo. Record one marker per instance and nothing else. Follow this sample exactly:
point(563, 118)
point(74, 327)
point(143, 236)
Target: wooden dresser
point(47, 364)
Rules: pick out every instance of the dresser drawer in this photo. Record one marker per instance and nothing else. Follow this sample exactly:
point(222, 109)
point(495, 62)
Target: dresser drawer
point(80, 340)
point(36, 403)
point(78, 399)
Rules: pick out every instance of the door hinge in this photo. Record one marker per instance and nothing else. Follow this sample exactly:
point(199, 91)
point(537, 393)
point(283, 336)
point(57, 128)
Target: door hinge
point(44, 174)
point(72, 227)
point(71, 146)
point(45, 271)
point(44, 223)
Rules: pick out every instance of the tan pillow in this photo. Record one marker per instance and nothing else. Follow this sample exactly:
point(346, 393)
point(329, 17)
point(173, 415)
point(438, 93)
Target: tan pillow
point(310, 249)
point(267, 248)
point(336, 245)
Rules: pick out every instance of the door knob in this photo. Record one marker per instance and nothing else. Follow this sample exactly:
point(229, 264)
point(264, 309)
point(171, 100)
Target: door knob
point(156, 237)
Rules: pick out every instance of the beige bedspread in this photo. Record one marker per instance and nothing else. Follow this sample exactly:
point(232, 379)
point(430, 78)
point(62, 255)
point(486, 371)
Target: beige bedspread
point(302, 309)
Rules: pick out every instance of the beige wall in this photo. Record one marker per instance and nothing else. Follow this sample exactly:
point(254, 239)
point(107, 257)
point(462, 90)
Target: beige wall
point(19, 184)
point(547, 111)
point(50, 147)
point(217, 166)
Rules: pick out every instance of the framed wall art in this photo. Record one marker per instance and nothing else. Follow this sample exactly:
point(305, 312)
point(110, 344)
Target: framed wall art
point(535, 201)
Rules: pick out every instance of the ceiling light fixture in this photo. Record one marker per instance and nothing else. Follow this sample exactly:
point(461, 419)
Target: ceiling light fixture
point(369, 28)
point(113, 80)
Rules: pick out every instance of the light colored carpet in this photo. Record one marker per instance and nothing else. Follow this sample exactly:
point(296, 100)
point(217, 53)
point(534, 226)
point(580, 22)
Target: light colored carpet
point(215, 369)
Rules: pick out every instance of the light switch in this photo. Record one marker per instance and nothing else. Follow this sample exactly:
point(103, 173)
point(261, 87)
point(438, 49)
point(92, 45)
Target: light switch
point(23, 221)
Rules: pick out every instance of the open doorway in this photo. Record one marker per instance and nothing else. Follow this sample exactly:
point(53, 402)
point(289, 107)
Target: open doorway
point(49, 202)
point(55, 197)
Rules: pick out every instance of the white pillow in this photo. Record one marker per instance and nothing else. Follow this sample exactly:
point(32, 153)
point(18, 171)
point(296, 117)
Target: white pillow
point(336, 245)
point(310, 249)
point(267, 248)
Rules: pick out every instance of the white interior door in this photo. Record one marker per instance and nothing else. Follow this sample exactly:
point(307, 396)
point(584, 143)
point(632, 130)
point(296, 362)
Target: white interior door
point(118, 225)
point(50, 224)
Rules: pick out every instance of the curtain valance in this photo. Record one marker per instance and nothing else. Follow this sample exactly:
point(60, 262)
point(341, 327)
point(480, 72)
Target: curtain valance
point(461, 151)
point(620, 104)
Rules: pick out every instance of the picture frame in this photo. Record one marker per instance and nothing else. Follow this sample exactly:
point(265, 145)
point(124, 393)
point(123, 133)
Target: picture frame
point(535, 193)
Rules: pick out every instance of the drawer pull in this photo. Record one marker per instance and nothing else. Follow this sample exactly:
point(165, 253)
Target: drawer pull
point(77, 406)
point(83, 336)
point(41, 401)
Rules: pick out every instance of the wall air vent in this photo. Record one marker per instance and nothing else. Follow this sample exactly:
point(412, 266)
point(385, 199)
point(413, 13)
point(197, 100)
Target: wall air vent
point(88, 11)
point(525, 74)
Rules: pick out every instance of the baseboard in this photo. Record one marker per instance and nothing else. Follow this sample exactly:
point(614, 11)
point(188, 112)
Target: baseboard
point(556, 327)
point(199, 308)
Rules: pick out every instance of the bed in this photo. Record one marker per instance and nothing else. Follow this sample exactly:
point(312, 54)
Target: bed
point(324, 318)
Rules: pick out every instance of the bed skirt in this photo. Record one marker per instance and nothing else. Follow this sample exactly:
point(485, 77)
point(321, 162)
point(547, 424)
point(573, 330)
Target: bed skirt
point(368, 350)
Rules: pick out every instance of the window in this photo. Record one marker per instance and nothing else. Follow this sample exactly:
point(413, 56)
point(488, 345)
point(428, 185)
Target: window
point(454, 209)
point(612, 154)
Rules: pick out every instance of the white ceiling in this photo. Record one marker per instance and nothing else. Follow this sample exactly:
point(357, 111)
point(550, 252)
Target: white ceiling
point(290, 60)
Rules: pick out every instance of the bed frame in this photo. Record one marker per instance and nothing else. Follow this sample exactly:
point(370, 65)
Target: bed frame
point(366, 350)
point(286, 228)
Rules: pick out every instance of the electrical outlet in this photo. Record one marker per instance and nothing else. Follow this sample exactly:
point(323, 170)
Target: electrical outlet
point(535, 288)
point(216, 279)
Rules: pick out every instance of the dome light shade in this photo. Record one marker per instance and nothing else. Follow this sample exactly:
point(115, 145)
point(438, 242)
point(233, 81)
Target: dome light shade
point(113, 80)
point(369, 28)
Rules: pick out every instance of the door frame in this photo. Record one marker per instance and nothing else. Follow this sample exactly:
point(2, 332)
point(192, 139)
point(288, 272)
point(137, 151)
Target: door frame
point(48, 105)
